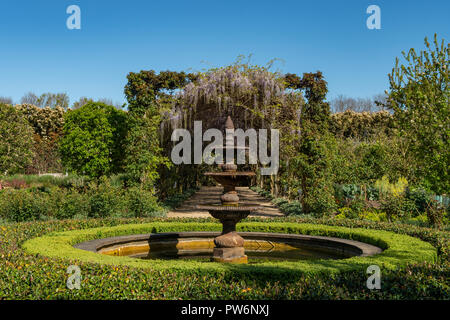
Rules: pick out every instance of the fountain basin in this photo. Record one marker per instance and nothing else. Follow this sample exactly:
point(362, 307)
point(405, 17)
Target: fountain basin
point(259, 246)
point(229, 244)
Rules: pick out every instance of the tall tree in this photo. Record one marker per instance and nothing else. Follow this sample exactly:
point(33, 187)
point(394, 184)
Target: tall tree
point(419, 97)
point(315, 150)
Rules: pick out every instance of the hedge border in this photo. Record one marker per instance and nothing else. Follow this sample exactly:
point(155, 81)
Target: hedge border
point(399, 250)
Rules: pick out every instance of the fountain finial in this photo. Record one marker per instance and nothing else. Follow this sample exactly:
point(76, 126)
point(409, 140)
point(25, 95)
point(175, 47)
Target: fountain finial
point(229, 123)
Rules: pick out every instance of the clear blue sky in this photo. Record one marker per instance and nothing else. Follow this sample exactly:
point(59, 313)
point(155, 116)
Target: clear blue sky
point(38, 53)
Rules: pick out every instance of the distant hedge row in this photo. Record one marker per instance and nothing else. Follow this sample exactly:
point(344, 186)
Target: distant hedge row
point(361, 125)
point(33, 276)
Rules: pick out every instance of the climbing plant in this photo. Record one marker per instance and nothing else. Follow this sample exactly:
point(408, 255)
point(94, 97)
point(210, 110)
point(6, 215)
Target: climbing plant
point(148, 95)
point(253, 96)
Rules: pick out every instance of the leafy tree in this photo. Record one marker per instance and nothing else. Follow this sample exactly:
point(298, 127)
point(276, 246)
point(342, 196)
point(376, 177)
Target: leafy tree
point(419, 97)
point(316, 148)
point(93, 139)
point(16, 140)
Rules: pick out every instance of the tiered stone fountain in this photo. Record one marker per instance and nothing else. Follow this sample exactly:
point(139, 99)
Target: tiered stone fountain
point(229, 246)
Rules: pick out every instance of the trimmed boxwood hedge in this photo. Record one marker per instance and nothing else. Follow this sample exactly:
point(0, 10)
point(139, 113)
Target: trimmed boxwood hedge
point(34, 276)
point(399, 249)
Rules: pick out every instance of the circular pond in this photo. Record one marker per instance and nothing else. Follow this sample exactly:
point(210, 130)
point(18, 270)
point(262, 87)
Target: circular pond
point(360, 245)
point(259, 246)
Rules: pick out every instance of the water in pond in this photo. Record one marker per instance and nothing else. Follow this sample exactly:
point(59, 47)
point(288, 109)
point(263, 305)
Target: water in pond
point(201, 249)
point(253, 256)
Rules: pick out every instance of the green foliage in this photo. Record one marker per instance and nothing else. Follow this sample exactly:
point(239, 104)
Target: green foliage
point(143, 152)
point(315, 175)
point(419, 96)
point(361, 125)
point(176, 200)
point(435, 213)
point(93, 140)
point(420, 197)
point(26, 276)
point(47, 124)
point(142, 203)
point(75, 198)
point(291, 208)
point(365, 161)
point(22, 205)
point(317, 146)
point(16, 146)
point(145, 92)
point(105, 200)
point(72, 205)
point(395, 207)
point(386, 188)
point(30, 180)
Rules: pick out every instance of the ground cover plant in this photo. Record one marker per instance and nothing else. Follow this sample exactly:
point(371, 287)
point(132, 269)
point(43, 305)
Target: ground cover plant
point(33, 276)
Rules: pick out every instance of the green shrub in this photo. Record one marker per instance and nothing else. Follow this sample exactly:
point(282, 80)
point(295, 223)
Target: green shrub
point(420, 197)
point(105, 200)
point(22, 205)
point(97, 199)
point(26, 276)
point(372, 215)
point(291, 208)
point(142, 203)
point(346, 213)
point(100, 150)
point(435, 213)
point(74, 204)
point(176, 200)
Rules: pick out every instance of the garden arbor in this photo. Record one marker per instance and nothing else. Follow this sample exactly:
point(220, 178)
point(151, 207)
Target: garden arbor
point(253, 96)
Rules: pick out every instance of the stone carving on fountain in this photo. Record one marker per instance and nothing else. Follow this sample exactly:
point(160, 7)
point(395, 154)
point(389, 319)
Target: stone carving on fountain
point(229, 246)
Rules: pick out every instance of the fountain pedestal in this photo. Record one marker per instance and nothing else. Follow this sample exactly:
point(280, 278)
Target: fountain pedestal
point(229, 245)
